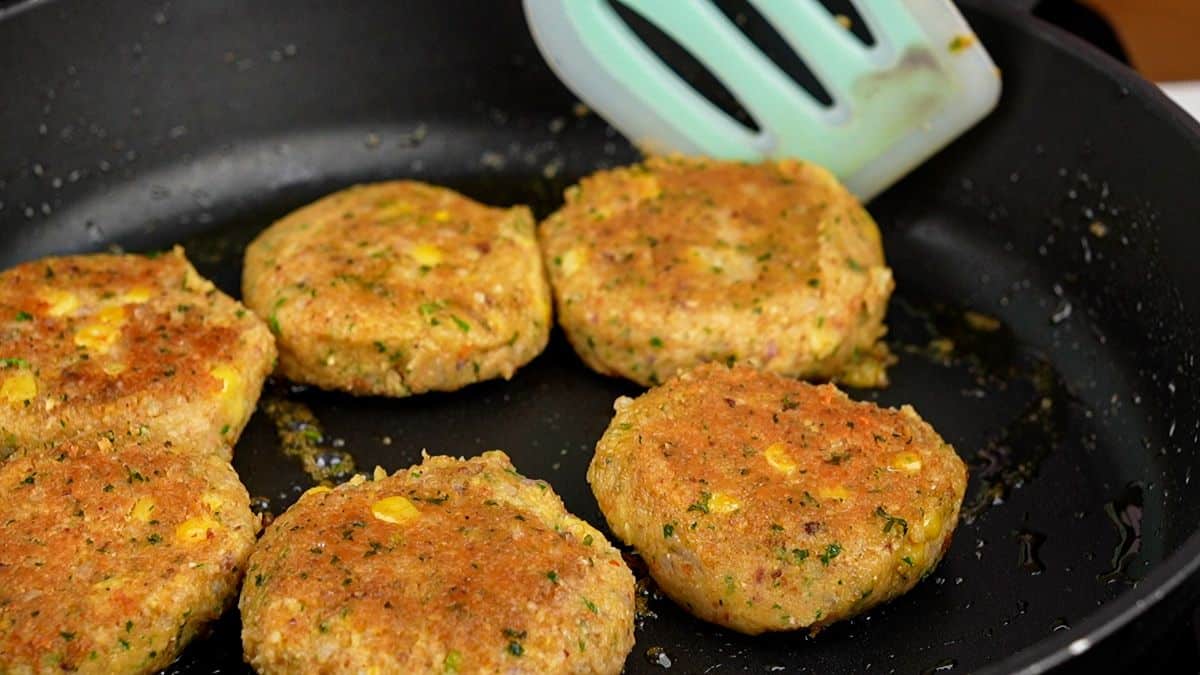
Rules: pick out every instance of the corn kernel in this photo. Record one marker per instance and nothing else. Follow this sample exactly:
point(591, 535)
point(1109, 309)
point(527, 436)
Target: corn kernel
point(929, 528)
point(315, 490)
point(573, 260)
point(135, 296)
point(379, 474)
point(19, 388)
point(395, 509)
point(906, 461)
point(835, 492)
point(109, 584)
point(390, 210)
point(143, 510)
point(777, 456)
point(720, 502)
point(426, 255)
point(61, 303)
point(646, 187)
point(97, 337)
point(232, 394)
point(442, 216)
point(195, 530)
point(102, 332)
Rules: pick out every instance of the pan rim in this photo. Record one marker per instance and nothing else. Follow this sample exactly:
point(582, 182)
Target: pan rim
point(1183, 564)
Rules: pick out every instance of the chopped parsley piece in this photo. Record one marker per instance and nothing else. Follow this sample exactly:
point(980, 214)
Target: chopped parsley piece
point(462, 325)
point(788, 404)
point(668, 530)
point(702, 504)
point(453, 661)
point(23, 316)
point(891, 521)
point(154, 538)
point(552, 576)
point(656, 342)
point(14, 363)
point(831, 552)
point(591, 606)
point(272, 319)
point(587, 540)
point(908, 560)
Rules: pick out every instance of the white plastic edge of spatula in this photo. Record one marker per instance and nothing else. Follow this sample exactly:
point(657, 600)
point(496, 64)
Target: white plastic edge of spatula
point(924, 81)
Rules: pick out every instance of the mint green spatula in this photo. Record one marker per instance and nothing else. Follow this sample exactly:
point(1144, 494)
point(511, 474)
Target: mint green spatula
point(924, 81)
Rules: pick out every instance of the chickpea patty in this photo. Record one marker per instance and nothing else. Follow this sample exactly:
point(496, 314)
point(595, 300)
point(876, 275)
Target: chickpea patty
point(400, 288)
point(129, 344)
point(449, 566)
point(663, 265)
point(763, 504)
point(115, 556)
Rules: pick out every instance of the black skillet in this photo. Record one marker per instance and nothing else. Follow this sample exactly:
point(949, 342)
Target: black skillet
point(1069, 215)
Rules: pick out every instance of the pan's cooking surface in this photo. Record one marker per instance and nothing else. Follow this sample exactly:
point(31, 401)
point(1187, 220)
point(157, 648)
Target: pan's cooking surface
point(1076, 411)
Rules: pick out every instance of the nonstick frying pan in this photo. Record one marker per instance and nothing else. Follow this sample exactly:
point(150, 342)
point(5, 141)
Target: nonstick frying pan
point(1068, 216)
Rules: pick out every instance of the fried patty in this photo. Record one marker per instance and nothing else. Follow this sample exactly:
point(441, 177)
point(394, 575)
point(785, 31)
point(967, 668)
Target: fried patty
point(400, 288)
point(449, 566)
point(764, 504)
point(134, 345)
point(114, 556)
point(673, 262)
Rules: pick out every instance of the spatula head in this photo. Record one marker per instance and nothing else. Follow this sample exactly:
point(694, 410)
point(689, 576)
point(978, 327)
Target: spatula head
point(923, 81)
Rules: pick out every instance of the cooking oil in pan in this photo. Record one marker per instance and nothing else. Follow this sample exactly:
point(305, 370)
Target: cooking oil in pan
point(989, 352)
point(302, 438)
point(1125, 512)
point(1027, 556)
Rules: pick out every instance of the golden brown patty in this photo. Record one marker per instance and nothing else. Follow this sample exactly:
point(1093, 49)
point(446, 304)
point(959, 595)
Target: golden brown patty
point(399, 288)
point(112, 558)
point(761, 503)
point(674, 262)
point(449, 566)
point(134, 345)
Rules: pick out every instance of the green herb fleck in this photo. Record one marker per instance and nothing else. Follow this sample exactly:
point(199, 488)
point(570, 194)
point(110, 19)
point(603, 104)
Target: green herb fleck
point(788, 403)
point(14, 363)
point(67, 636)
point(668, 530)
point(462, 325)
point(587, 540)
point(591, 606)
point(29, 480)
point(155, 538)
point(452, 662)
point(552, 576)
point(24, 316)
point(907, 560)
point(656, 342)
point(701, 505)
point(891, 521)
point(273, 319)
point(831, 552)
